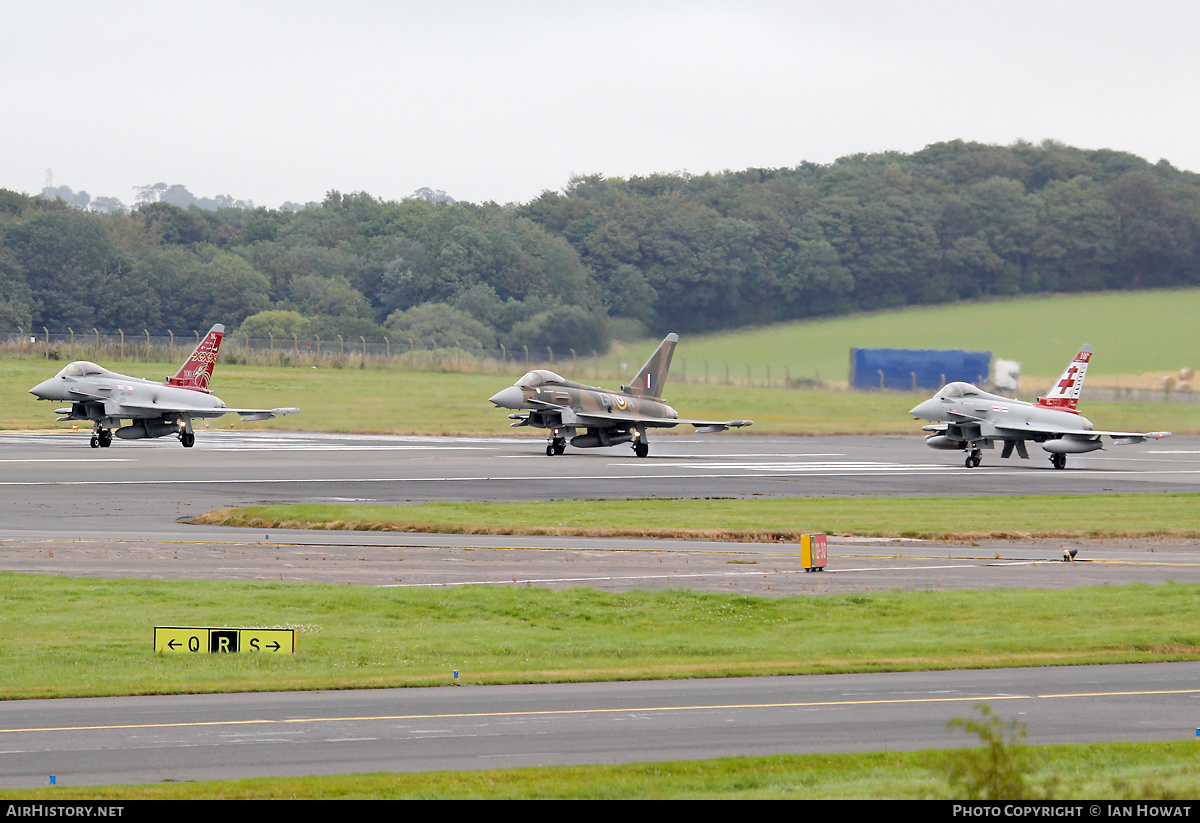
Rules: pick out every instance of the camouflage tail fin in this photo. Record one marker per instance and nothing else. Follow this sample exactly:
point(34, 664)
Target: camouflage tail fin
point(650, 380)
point(197, 370)
point(1064, 394)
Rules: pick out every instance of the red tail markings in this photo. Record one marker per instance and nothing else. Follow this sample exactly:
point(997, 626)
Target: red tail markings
point(197, 370)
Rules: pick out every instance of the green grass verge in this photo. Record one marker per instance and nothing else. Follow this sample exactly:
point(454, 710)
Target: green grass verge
point(1100, 515)
point(62, 637)
point(1116, 771)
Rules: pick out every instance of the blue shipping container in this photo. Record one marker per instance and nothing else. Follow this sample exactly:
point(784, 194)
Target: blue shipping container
point(917, 369)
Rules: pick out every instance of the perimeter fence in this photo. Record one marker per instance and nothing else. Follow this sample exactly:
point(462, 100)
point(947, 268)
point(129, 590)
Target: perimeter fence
point(426, 356)
point(360, 353)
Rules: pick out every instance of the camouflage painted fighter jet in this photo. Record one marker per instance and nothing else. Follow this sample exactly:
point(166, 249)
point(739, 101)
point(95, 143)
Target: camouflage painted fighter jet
point(608, 418)
point(976, 420)
point(154, 409)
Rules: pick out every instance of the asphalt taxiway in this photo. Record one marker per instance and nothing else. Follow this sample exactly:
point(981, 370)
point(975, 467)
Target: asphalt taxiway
point(70, 509)
point(197, 737)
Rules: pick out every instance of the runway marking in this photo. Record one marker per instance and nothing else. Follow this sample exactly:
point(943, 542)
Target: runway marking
point(878, 701)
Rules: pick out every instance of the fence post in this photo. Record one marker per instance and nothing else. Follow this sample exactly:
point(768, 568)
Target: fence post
point(122, 331)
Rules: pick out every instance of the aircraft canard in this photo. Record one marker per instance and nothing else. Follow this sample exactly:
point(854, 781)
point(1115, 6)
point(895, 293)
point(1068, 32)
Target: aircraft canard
point(547, 400)
point(154, 409)
point(970, 419)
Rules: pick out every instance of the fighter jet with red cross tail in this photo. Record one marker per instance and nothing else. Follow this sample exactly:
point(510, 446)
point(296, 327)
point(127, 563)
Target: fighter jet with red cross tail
point(608, 418)
point(970, 419)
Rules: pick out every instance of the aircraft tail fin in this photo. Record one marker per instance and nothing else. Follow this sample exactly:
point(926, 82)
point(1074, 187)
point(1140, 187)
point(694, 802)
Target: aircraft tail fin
point(650, 380)
point(1064, 394)
point(197, 370)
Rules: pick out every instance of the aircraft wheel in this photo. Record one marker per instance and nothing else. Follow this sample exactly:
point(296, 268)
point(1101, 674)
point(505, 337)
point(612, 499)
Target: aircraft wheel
point(1058, 461)
point(641, 448)
point(105, 438)
point(974, 459)
point(188, 439)
point(559, 448)
point(95, 442)
point(550, 450)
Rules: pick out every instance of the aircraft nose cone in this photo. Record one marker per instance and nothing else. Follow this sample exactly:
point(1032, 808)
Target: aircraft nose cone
point(47, 390)
point(926, 411)
point(510, 398)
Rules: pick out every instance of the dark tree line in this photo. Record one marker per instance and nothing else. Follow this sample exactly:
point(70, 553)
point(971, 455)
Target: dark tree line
point(667, 252)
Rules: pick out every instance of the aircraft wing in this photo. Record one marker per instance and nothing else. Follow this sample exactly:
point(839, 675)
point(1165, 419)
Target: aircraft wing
point(712, 427)
point(208, 411)
point(249, 415)
point(1120, 438)
point(593, 419)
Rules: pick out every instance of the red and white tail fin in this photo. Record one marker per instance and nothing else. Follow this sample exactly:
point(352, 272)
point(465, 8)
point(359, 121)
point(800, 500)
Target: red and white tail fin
point(197, 370)
point(1064, 394)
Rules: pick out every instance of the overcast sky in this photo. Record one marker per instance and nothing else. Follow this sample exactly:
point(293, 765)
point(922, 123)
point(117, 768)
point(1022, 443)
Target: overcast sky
point(279, 101)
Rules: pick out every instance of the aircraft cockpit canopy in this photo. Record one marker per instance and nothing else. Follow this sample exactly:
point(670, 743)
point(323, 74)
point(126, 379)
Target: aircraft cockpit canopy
point(80, 368)
point(956, 390)
point(539, 377)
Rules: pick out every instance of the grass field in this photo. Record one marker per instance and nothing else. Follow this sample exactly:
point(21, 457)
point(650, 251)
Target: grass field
point(1101, 515)
point(67, 637)
point(1134, 333)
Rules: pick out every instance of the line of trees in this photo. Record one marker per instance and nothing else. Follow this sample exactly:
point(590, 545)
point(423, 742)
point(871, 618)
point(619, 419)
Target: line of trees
point(605, 256)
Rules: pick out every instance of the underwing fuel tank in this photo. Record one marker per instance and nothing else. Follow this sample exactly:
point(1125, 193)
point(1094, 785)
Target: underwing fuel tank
point(941, 441)
point(594, 440)
point(1068, 445)
point(146, 428)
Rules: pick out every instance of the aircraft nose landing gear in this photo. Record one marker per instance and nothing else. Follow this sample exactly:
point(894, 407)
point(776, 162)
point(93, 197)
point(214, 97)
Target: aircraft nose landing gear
point(974, 458)
point(556, 446)
point(101, 439)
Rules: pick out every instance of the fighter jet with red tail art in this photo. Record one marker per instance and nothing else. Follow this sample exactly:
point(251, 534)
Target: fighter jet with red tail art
point(608, 418)
point(153, 409)
point(970, 419)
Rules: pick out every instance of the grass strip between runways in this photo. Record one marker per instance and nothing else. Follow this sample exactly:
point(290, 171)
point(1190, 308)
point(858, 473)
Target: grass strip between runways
point(1020, 516)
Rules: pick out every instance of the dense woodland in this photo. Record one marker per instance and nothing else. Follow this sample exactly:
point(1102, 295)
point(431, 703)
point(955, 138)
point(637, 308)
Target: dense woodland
point(667, 252)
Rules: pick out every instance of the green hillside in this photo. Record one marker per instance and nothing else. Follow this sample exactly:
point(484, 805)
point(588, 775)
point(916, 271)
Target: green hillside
point(1133, 333)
